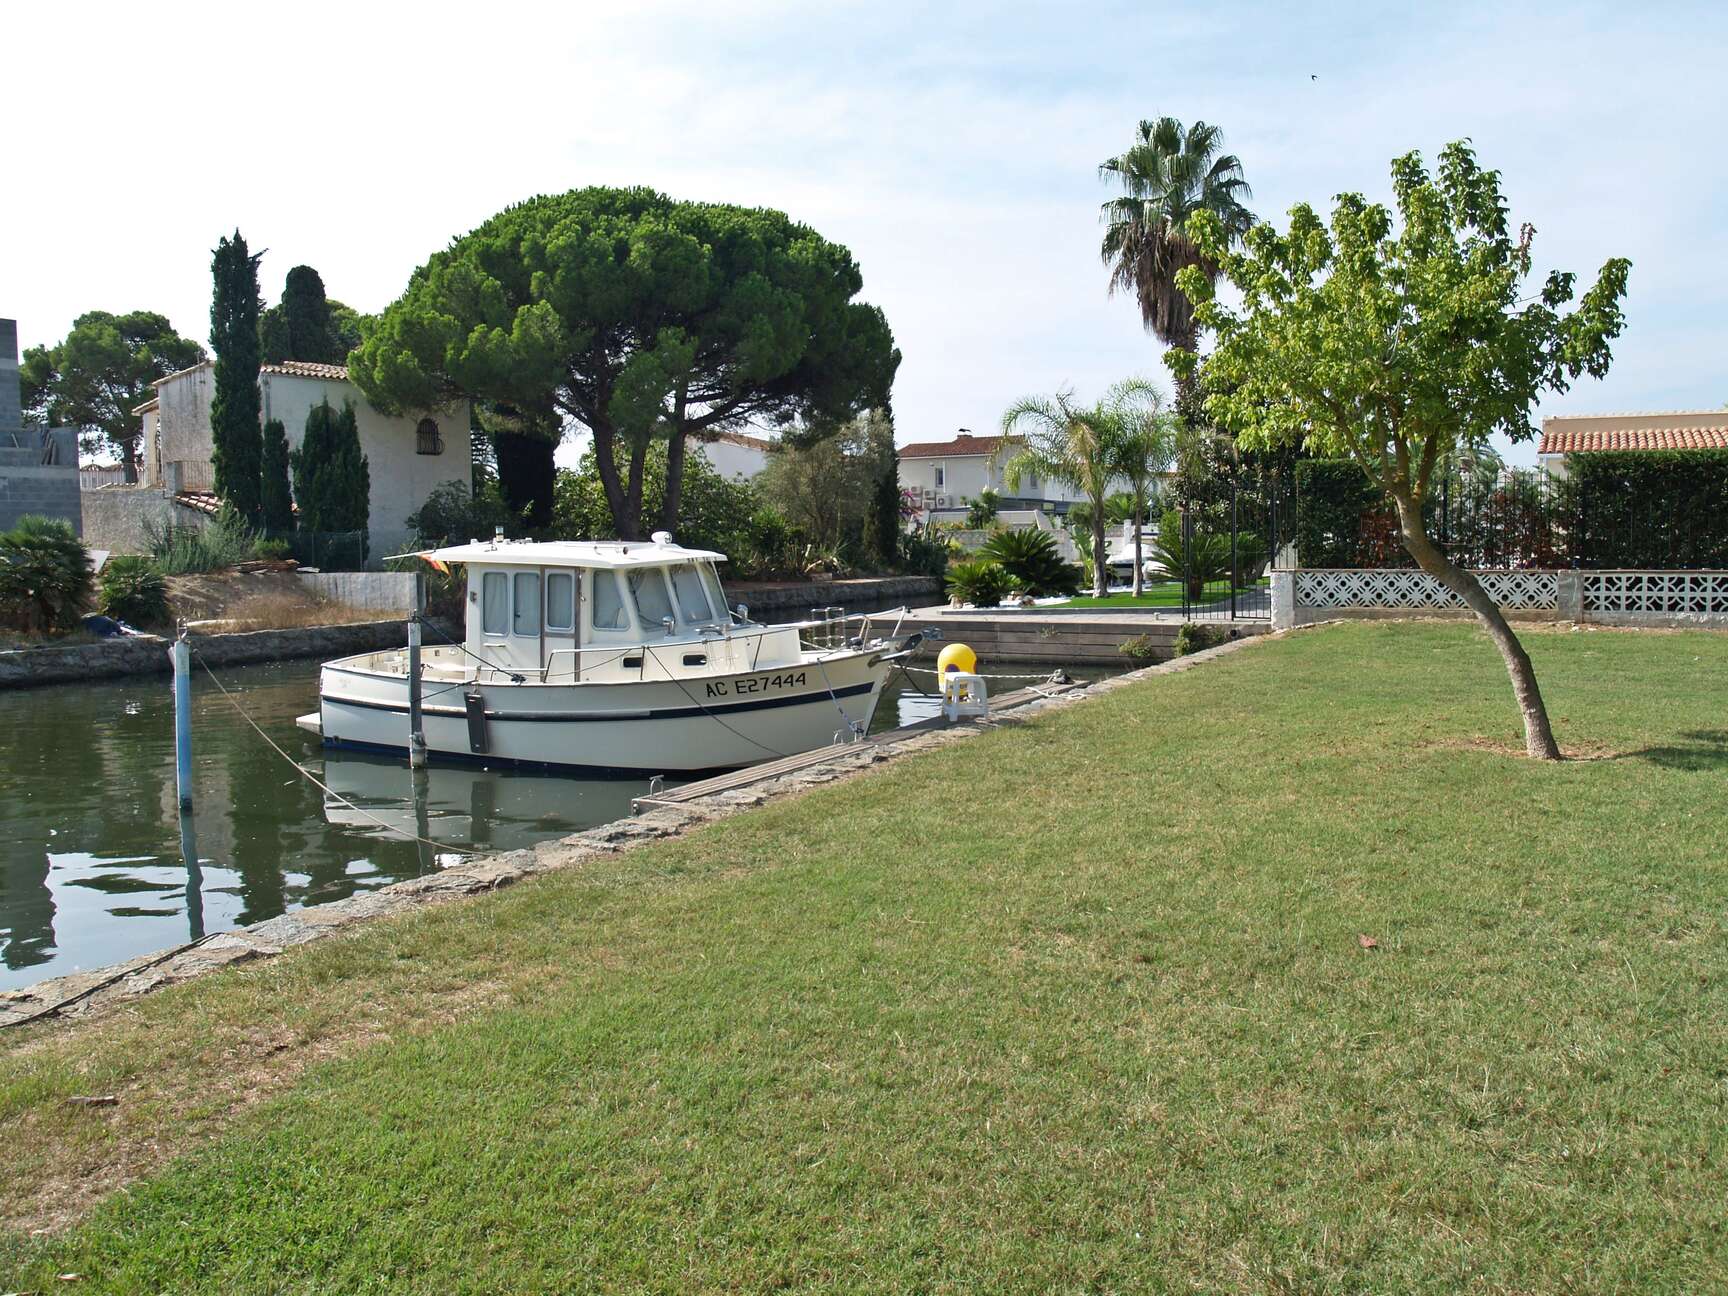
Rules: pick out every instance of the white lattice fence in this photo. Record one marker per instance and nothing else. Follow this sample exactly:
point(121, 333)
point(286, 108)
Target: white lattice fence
point(1656, 591)
point(1390, 587)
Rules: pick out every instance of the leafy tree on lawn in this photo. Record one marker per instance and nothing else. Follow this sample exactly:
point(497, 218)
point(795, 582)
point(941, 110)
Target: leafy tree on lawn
point(100, 373)
point(236, 441)
point(307, 325)
point(1395, 347)
point(332, 480)
point(277, 499)
point(1144, 447)
point(1170, 172)
point(640, 318)
point(1057, 438)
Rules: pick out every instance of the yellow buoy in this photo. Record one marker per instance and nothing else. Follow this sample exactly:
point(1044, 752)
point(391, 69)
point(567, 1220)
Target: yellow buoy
point(957, 657)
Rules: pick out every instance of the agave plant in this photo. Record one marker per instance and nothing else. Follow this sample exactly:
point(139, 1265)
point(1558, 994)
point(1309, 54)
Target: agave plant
point(1031, 562)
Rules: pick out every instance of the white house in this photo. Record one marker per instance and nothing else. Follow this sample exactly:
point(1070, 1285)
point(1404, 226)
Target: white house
point(946, 476)
point(407, 454)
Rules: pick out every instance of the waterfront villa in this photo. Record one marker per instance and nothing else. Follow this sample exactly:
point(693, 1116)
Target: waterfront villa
point(946, 476)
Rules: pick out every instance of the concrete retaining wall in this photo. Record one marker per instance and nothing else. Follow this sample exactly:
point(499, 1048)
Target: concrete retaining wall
point(795, 599)
point(1064, 638)
point(148, 654)
point(366, 591)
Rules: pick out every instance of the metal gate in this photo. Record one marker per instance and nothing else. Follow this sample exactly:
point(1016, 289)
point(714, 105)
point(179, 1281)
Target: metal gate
point(1232, 543)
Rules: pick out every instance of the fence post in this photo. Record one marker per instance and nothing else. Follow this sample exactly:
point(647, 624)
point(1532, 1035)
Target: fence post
point(181, 653)
point(1233, 551)
point(416, 723)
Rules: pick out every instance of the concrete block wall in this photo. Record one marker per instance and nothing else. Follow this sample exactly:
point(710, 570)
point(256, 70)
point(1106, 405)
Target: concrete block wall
point(120, 518)
point(47, 492)
point(11, 415)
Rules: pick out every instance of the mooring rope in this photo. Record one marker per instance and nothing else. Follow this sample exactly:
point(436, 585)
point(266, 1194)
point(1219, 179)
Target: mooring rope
point(315, 780)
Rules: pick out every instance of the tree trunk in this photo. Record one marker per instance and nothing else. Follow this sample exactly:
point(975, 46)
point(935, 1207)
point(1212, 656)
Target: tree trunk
point(1538, 734)
point(1139, 580)
point(129, 462)
point(627, 524)
point(1100, 572)
point(674, 482)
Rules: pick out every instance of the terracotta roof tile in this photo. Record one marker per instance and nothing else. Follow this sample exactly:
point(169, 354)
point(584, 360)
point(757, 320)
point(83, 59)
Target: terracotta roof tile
point(306, 369)
point(960, 446)
point(1569, 441)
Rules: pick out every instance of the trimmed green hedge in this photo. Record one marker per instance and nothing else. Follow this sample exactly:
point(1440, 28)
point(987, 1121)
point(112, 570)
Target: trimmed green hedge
point(1657, 510)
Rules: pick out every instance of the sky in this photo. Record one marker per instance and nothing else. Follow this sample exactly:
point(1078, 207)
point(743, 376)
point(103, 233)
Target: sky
point(953, 148)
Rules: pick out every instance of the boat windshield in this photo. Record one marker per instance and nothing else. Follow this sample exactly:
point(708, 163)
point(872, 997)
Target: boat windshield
point(693, 608)
point(653, 603)
point(716, 595)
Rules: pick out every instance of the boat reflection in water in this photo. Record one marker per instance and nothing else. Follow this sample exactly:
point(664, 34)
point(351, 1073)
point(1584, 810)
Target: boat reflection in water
point(472, 810)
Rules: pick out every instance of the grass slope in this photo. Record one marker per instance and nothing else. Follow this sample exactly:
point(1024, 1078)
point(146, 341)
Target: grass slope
point(1079, 1005)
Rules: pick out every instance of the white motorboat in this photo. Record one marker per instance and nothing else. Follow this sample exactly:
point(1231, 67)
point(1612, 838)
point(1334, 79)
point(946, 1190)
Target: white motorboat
point(616, 658)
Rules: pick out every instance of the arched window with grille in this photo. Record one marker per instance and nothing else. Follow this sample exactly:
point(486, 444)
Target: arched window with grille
point(428, 439)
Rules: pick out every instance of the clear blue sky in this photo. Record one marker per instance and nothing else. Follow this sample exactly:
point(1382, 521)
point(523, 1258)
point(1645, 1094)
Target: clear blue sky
point(954, 148)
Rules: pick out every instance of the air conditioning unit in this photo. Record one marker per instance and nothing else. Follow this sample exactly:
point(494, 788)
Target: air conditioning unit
point(941, 501)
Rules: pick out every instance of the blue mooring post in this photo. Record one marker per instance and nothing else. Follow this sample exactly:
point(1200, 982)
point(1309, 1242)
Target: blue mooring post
point(181, 653)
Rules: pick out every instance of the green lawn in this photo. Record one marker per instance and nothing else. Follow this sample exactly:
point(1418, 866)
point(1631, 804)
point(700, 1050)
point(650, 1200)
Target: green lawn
point(1079, 1005)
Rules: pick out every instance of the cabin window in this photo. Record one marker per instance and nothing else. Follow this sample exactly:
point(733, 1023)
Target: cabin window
point(561, 601)
point(716, 595)
point(427, 439)
point(495, 608)
point(609, 611)
point(692, 599)
point(648, 588)
point(527, 604)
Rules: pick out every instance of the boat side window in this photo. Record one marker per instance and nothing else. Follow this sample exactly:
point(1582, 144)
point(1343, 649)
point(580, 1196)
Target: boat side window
point(495, 603)
point(561, 601)
point(527, 604)
point(716, 595)
point(653, 604)
point(609, 613)
point(693, 606)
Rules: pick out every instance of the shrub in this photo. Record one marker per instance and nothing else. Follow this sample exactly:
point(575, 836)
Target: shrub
point(44, 576)
point(980, 582)
point(452, 514)
point(982, 511)
point(134, 591)
point(273, 549)
point(1031, 561)
point(1193, 638)
point(1205, 558)
point(1656, 510)
point(923, 555)
point(181, 550)
point(1140, 650)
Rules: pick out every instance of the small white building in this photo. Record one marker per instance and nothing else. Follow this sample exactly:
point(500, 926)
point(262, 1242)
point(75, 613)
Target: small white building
point(735, 455)
point(408, 455)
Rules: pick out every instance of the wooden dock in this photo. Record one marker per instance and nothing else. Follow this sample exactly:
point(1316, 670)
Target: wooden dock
point(743, 778)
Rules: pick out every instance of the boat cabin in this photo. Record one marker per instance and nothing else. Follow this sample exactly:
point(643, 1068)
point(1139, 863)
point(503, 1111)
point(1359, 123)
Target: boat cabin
point(621, 611)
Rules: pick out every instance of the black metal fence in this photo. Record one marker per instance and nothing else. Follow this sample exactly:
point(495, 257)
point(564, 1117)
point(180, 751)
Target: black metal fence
point(1231, 543)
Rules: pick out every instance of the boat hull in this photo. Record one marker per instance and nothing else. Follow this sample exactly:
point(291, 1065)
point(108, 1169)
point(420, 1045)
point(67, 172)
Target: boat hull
point(676, 727)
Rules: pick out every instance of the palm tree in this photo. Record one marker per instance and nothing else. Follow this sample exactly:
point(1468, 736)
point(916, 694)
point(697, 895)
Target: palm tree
point(1169, 173)
point(1080, 446)
point(1144, 447)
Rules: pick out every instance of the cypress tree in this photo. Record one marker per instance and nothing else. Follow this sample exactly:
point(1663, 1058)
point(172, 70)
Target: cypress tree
point(885, 510)
point(278, 503)
point(306, 318)
point(332, 479)
point(236, 448)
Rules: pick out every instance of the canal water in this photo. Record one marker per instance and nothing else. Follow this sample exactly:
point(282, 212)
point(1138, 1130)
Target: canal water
point(91, 869)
